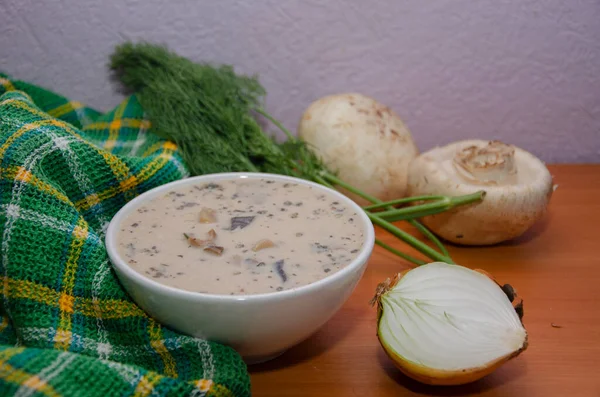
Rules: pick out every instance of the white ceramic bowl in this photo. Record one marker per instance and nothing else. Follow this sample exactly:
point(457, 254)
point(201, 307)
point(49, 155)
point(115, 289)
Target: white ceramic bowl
point(261, 326)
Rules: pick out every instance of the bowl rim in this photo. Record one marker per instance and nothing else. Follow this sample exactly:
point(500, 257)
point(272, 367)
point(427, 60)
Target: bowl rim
point(121, 267)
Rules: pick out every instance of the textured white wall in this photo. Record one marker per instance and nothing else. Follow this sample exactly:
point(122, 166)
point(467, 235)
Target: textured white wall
point(524, 71)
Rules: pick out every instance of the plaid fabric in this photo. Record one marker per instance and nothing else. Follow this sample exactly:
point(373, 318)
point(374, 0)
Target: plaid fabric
point(67, 327)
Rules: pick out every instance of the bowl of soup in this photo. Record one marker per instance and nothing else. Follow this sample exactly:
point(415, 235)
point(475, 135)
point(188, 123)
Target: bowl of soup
point(255, 261)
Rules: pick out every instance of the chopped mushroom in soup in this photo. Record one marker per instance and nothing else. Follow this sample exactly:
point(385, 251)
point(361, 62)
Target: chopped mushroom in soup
point(240, 236)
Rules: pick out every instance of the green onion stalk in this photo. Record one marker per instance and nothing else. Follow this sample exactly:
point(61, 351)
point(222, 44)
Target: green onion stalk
point(211, 113)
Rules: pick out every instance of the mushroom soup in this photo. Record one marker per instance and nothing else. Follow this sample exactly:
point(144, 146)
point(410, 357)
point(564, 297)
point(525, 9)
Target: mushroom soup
point(240, 236)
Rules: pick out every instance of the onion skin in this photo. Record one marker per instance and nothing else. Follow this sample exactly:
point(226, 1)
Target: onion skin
point(364, 142)
point(438, 377)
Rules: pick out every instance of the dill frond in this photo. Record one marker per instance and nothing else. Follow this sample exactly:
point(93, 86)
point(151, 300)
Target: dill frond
point(207, 111)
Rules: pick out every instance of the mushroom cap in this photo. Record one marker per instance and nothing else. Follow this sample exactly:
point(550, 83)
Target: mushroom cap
point(361, 140)
point(518, 188)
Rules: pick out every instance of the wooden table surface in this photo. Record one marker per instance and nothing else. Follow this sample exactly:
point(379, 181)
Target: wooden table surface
point(556, 269)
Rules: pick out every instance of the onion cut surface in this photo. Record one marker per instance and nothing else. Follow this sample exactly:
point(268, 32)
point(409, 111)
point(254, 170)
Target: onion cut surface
point(448, 321)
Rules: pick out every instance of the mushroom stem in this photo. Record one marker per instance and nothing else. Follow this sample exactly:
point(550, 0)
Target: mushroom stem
point(491, 164)
point(419, 211)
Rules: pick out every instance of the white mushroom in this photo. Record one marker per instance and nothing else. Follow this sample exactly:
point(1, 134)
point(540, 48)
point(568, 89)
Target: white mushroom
point(518, 188)
point(363, 141)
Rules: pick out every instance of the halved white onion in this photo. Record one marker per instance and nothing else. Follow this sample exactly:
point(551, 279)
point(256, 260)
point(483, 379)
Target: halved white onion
point(447, 324)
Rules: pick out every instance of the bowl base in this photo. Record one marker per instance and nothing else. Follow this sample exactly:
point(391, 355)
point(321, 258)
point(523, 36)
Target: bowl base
point(252, 360)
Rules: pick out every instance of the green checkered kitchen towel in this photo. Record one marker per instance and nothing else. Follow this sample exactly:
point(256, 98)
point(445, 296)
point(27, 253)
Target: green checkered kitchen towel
point(67, 326)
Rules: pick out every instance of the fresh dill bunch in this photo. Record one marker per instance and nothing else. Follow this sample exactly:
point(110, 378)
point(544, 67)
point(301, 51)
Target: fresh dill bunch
point(208, 111)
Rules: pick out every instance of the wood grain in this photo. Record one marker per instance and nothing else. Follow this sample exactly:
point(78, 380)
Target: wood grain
point(555, 267)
